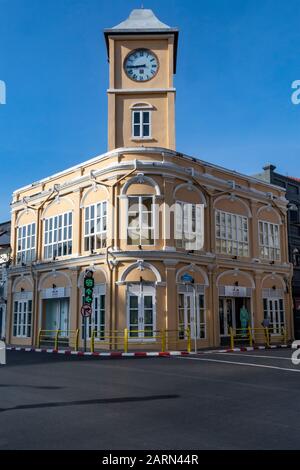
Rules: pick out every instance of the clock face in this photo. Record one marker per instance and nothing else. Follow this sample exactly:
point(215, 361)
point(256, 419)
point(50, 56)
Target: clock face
point(141, 65)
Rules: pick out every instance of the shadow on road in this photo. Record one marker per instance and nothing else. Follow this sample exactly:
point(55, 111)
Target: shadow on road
point(101, 401)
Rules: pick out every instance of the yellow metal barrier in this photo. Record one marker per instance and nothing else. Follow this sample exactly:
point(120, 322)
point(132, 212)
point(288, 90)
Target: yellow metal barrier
point(251, 336)
point(58, 336)
point(126, 339)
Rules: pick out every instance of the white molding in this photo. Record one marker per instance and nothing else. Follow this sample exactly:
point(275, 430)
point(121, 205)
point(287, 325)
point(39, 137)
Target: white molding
point(235, 272)
point(193, 268)
point(236, 199)
point(141, 265)
point(133, 91)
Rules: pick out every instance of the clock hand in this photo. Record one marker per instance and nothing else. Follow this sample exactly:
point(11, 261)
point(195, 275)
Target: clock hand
point(136, 66)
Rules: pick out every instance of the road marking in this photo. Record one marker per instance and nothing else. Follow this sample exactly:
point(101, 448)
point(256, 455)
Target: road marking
point(249, 364)
point(256, 355)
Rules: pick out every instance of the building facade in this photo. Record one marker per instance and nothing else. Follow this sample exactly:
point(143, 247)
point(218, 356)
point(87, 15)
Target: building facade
point(4, 264)
point(292, 187)
point(175, 243)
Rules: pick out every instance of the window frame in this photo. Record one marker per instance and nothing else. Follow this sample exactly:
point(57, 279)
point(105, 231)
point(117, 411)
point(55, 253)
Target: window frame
point(237, 228)
point(23, 236)
point(103, 222)
point(52, 229)
point(22, 318)
point(181, 241)
point(268, 248)
point(140, 111)
point(140, 221)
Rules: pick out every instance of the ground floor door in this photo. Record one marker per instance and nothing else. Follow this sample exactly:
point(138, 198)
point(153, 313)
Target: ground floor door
point(141, 315)
point(191, 315)
point(274, 311)
point(230, 313)
point(57, 316)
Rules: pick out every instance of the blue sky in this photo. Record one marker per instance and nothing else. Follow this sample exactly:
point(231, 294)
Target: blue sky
point(237, 60)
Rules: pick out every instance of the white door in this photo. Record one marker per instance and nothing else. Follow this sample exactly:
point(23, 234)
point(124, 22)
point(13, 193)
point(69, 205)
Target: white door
point(274, 311)
point(63, 317)
point(191, 317)
point(141, 311)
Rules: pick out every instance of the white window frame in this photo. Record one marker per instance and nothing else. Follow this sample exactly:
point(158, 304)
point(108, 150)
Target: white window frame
point(189, 226)
point(26, 243)
point(139, 291)
point(57, 236)
point(139, 215)
point(22, 318)
point(100, 226)
point(269, 250)
point(141, 111)
point(231, 237)
point(200, 325)
point(274, 313)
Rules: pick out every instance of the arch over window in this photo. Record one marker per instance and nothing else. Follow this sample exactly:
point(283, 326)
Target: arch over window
point(54, 274)
point(140, 179)
point(269, 209)
point(25, 212)
point(234, 198)
point(20, 280)
point(235, 273)
point(192, 268)
point(141, 266)
point(274, 277)
point(94, 188)
point(141, 105)
point(59, 200)
point(190, 187)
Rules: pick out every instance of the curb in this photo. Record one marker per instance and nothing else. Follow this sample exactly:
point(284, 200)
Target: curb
point(251, 348)
point(115, 355)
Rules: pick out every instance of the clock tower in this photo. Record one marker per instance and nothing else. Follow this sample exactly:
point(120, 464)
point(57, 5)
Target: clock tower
point(142, 55)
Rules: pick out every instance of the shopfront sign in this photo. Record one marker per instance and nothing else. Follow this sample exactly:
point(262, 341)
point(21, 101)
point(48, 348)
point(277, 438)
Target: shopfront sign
point(235, 291)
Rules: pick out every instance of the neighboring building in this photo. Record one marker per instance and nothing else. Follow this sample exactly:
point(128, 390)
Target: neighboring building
point(292, 187)
point(223, 247)
point(4, 264)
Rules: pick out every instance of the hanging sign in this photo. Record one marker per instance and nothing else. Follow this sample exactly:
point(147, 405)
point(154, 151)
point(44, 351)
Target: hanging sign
point(235, 291)
point(187, 278)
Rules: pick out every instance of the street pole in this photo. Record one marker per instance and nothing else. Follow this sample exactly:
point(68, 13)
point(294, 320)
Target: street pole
point(85, 333)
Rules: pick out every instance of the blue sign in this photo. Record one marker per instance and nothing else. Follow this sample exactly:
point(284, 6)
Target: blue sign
point(187, 278)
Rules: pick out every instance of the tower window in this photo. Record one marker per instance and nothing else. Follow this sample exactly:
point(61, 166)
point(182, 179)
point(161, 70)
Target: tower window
point(141, 124)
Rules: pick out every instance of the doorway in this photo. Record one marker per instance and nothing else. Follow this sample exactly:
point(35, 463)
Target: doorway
point(141, 315)
point(189, 316)
point(229, 313)
point(57, 316)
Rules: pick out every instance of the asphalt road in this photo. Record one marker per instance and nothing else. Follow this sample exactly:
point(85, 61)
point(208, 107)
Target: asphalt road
point(212, 401)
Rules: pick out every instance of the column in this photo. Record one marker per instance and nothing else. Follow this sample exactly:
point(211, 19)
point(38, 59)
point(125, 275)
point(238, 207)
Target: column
point(171, 311)
point(9, 311)
point(74, 320)
point(168, 216)
point(257, 300)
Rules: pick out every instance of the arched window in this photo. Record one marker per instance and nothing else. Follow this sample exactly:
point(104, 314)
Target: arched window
point(141, 121)
point(140, 194)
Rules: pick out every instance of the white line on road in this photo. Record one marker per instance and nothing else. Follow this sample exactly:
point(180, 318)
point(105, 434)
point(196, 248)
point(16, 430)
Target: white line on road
point(255, 355)
point(249, 364)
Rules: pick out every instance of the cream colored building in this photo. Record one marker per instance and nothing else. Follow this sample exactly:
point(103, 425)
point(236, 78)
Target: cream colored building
point(114, 214)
